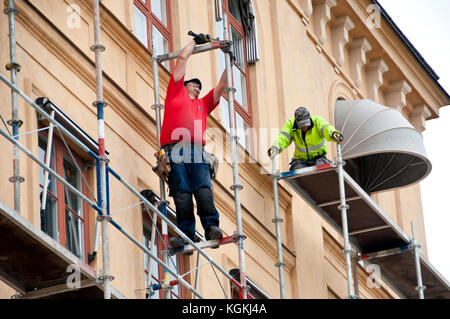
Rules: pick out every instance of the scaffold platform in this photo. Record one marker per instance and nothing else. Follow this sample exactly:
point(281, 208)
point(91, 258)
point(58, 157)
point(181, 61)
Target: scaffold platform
point(36, 266)
point(376, 237)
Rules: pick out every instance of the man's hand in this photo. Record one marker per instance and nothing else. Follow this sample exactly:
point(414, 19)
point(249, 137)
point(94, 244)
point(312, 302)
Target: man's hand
point(229, 49)
point(338, 137)
point(272, 151)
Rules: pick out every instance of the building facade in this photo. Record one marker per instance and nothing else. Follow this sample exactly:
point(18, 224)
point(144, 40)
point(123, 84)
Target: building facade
point(288, 53)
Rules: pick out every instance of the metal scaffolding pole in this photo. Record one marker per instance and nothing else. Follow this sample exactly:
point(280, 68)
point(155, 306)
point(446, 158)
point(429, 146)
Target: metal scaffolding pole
point(100, 104)
point(15, 122)
point(277, 220)
point(420, 287)
point(236, 187)
point(343, 208)
point(163, 202)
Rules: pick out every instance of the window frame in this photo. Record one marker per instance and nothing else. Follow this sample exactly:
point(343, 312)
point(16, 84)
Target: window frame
point(60, 151)
point(153, 20)
point(246, 115)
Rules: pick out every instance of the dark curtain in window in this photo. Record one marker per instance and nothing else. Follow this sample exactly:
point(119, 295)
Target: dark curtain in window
point(249, 24)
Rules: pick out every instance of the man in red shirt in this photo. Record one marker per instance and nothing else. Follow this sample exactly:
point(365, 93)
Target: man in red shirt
point(183, 138)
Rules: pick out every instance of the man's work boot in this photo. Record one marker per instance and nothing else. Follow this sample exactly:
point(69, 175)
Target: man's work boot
point(177, 242)
point(215, 233)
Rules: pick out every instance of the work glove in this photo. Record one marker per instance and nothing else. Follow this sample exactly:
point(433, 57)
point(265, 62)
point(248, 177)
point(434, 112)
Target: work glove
point(272, 151)
point(229, 49)
point(338, 137)
point(200, 38)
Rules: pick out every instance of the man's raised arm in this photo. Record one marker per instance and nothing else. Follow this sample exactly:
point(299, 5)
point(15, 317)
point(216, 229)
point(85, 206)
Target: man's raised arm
point(180, 66)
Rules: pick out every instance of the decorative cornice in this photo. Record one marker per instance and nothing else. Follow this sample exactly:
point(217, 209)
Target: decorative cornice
point(357, 58)
point(420, 113)
point(322, 14)
point(374, 72)
point(395, 95)
point(307, 7)
point(339, 36)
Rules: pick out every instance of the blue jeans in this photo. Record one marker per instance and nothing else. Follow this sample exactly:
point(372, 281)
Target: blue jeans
point(190, 175)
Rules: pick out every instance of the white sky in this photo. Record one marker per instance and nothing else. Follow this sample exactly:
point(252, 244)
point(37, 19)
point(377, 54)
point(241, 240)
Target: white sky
point(427, 26)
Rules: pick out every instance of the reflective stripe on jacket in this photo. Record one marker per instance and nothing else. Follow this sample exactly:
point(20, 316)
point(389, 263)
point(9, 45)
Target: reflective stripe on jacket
point(314, 143)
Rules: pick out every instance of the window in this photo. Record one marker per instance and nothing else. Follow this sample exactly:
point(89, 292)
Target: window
point(176, 263)
point(240, 78)
point(64, 217)
point(254, 291)
point(154, 15)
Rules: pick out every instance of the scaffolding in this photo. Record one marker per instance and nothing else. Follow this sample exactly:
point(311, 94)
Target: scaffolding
point(368, 233)
point(39, 289)
point(390, 247)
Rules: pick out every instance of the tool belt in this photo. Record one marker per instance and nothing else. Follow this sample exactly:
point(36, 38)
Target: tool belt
point(163, 168)
point(213, 165)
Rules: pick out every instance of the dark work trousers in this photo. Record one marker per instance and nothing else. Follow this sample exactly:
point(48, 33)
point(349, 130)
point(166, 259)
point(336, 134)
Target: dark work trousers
point(298, 163)
point(190, 175)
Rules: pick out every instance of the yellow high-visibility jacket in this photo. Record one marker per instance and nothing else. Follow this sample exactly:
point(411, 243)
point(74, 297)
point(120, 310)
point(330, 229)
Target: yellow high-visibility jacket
point(313, 142)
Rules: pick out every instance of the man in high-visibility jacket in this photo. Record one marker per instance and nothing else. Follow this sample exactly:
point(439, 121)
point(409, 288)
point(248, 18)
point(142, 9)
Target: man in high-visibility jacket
point(309, 134)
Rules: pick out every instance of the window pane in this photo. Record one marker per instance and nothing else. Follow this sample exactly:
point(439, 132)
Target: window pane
point(42, 153)
point(242, 131)
point(234, 10)
point(147, 261)
point(238, 48)
point(72, 176)
point(225, 114)
point(74, 234)
point(140, 26)
point(159, 10)
point(239, 83)
point(162, 45)
point(49, 216)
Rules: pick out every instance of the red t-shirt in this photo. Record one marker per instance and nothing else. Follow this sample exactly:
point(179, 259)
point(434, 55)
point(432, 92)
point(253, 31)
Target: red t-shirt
point(185, 118)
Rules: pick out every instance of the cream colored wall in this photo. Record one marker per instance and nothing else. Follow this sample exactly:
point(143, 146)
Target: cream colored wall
point(293, 70)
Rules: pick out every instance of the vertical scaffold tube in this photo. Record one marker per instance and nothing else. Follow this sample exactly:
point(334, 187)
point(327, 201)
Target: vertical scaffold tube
point(98, 48)
point(277, 220)
point(420, 287)
point(343, 208)
point(157, 107)
point(236, 187)
point(15, 122)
